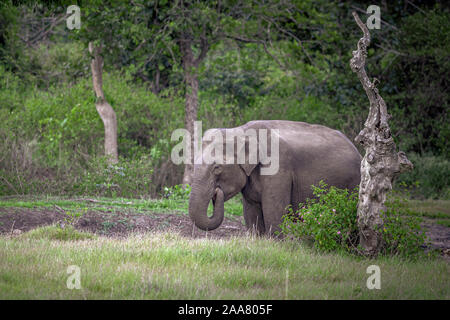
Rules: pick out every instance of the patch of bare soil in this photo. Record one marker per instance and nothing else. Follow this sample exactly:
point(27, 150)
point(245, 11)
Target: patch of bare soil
point(439, 237)
point(122, 223)
point(113, 223)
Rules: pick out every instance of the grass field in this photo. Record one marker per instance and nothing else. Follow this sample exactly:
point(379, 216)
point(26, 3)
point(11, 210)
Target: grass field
point(166, 265)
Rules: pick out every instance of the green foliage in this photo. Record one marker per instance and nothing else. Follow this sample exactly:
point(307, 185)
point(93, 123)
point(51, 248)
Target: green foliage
point(72, 216)
point(235, 75)
point(402, 233)
point(50, 130)
point(53, 139)
point(62, 63)
point(11, 90)
point(234, 206)
point(417, 83)
point(127, 178)
point(329, 221)
point(10, 44)
point(429, 179)
point(145, 121)
point(177, 192)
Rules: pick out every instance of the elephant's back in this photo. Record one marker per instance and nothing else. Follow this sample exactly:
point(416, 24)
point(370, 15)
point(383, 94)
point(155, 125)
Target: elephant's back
point(314, 153)
point(309, 138)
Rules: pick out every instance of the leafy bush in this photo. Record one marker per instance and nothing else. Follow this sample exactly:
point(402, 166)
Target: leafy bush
point(177, 192)
point(129, 178)
point(429, 179)
point(329, 221)
point(62, 63)
point(52, 140)
point(402, 233)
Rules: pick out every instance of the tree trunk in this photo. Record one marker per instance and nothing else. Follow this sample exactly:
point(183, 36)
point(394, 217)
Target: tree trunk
point(381, 162)
point(104, 109)
point(190, 67)
point(191, 107)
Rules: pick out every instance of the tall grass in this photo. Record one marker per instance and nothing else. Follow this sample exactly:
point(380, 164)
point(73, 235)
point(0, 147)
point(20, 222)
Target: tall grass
point(168, 266)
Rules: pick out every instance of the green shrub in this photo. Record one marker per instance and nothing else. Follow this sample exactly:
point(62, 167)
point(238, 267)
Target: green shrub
point(129, 178)
point(329, 221)
point(402, 233)
point(177, 192)
point(12, 90)
point(54, 64)
point(52, 141)
point(429, 179)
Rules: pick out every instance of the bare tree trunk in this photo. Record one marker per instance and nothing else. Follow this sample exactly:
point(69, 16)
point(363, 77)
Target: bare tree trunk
point(191, 103)
point(381, 162)
point(190, 66)
point(104, 109)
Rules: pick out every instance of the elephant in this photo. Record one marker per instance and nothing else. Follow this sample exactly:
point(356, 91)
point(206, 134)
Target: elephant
point(308, 153)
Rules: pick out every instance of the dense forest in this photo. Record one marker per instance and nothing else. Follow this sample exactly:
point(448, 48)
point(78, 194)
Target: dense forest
point(221, 62)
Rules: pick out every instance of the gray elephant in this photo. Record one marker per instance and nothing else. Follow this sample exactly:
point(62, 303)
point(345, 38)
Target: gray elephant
point(307, 154)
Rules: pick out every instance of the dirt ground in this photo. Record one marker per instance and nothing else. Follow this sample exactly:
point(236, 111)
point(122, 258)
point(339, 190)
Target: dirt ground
point(122, 223)
point(113, 223)
point(439, 237)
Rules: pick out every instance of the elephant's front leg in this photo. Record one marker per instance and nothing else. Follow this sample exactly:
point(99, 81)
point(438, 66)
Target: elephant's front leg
point(253, 216)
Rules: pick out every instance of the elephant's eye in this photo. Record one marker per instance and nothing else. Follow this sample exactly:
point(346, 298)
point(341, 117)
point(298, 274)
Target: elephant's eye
point(217, 170)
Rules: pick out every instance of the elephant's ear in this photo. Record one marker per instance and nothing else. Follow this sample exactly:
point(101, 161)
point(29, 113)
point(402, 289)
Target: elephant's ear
point(248, 168)
point(247, 146)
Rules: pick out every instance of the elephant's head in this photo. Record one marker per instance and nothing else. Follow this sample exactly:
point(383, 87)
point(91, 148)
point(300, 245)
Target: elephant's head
point(214, 180)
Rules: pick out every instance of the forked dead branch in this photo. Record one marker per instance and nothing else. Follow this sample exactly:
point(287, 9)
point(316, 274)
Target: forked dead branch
point(381, 162)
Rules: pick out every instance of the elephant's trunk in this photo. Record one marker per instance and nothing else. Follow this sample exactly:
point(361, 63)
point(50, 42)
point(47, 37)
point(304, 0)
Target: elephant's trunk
point(198, 207)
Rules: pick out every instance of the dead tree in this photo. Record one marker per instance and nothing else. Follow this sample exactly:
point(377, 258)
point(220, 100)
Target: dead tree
point(104, 109)
point(381, 162)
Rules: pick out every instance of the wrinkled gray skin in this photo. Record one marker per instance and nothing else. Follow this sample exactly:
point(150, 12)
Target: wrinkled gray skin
point(308, 154)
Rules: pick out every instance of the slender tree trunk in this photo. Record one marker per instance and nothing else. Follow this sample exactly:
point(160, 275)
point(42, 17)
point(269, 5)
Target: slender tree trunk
point(190, 67)
point(104, 109)
point(191, 109)
point(381, 162)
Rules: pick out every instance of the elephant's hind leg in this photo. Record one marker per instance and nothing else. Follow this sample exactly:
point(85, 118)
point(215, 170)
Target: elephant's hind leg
point(253, 217)
point(275, 201)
